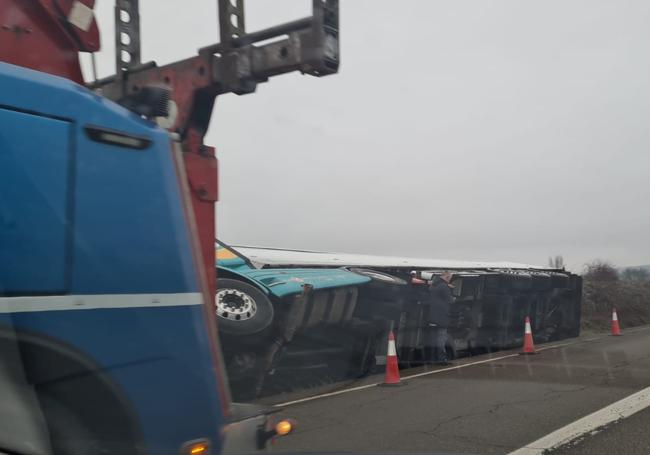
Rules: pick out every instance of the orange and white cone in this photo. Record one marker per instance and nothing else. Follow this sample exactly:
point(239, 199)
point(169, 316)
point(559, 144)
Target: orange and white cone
point(392, 368)
point(616, 328)
point(529, 346)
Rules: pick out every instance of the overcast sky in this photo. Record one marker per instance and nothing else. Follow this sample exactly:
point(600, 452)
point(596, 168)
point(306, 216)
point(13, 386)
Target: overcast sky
point(488, 130)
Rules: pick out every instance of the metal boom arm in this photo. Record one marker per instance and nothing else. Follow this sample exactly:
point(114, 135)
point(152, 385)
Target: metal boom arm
point(236, 64)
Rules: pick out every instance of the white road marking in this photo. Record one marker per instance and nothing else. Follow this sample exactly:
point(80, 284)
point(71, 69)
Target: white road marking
point(458, 367)
point(593, 339)
point(609, 414)
point(325, 395)
point(639, 329)
point(561, 345)
point(442, 370)
point(375, 384)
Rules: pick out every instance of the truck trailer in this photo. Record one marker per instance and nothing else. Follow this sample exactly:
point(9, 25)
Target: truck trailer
point(491, 301)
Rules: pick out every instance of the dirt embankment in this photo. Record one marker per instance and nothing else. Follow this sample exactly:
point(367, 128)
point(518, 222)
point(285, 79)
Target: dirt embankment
point(630, 298)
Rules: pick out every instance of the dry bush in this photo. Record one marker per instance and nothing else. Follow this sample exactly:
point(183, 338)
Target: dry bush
point(603, 290)
point(635, 274)
point(599, 271)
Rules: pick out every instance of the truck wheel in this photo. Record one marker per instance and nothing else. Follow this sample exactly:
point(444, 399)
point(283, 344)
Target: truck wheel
point(241, 309)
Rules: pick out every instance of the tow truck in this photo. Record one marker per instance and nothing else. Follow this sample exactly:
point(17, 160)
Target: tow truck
point(107, 228)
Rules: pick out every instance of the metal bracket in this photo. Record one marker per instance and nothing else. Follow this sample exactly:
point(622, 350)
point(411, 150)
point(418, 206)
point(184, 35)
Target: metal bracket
point(231, 20)
point(127, 39)
point(237, 64)
point(127, 35)
point(309, 45)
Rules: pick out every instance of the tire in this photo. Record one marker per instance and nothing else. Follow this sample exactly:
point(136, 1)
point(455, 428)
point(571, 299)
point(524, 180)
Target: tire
point(241, 309)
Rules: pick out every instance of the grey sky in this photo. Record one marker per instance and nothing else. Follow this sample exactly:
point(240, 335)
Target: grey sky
point(487, 130)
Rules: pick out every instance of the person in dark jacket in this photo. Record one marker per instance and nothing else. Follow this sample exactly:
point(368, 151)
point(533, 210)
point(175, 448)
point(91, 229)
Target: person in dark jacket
point(438, 319)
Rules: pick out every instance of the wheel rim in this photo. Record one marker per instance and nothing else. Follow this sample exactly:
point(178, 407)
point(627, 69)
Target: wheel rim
point(234, 305)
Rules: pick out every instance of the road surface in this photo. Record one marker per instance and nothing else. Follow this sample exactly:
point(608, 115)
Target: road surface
point(490, 404)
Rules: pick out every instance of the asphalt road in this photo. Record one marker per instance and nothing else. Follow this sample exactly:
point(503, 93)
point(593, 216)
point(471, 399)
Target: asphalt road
point(493, 407)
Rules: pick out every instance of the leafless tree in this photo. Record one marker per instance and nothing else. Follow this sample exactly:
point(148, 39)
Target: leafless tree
point(556, 262)
point(599, 270)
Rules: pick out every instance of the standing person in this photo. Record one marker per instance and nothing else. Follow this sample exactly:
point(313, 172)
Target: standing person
point(438, 318)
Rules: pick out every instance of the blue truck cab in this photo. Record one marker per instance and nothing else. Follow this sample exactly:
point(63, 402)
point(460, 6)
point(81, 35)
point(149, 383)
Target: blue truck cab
point(107, 342)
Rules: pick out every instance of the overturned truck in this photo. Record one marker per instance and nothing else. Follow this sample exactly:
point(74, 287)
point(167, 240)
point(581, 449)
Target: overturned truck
point(491, 302)
point(299, 321)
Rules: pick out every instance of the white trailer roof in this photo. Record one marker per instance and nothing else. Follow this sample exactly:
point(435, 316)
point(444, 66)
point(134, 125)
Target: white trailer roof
point(284, 257)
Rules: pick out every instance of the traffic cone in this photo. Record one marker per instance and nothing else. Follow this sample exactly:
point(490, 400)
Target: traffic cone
point(616, 328)
point(529, 346)
point(392, 369)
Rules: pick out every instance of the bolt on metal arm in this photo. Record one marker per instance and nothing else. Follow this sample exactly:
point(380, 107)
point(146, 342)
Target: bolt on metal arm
point(309, 45)
point(231, 20)
point(127, 36)
point(235, 65)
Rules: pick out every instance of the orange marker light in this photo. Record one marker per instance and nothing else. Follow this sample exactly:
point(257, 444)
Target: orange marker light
point(201, 447)
point(283, 428)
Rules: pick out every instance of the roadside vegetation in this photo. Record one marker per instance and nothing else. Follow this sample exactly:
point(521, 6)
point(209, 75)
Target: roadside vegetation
point(606, 287)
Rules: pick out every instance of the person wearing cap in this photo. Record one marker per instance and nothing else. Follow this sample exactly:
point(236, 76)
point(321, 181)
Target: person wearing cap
point(438, 319)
